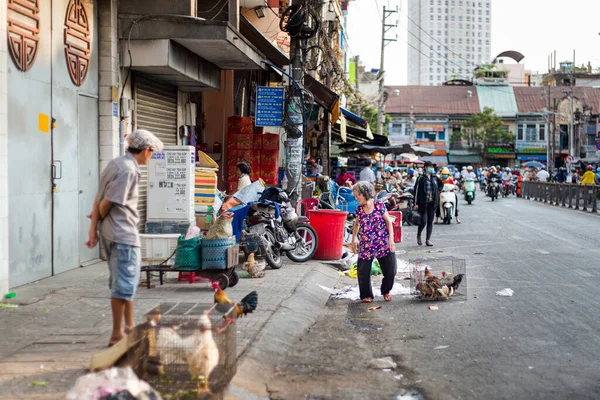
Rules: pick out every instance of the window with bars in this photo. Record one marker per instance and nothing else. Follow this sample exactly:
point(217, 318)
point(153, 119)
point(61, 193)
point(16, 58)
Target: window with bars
point(542, 134)
point(530, 133)
point(520, 132)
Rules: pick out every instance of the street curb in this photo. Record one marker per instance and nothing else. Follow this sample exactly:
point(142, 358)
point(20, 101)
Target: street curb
point(292, 319)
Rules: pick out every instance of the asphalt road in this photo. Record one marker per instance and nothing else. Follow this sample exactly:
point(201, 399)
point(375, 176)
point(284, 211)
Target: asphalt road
point(541, 343)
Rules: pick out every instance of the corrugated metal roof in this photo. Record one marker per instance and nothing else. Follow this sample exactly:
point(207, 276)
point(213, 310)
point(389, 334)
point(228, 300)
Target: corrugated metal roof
point(500, 98)
point(535, 99)
point(433, 100)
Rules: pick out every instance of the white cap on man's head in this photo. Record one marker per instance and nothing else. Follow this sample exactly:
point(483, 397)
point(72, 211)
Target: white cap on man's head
point(142, 139)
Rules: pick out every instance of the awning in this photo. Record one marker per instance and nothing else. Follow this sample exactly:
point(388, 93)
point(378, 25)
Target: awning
point(215, 41)
point(262, 43)
point(400, 149)
point(439, 161)
point(324, 96)
point(170, 62)
point(354, 118)
point(460, 159)
point(356, 135)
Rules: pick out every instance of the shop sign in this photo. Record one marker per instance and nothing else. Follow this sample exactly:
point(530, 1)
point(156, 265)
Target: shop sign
point(531, 147)
point(269, 106)
point(430, 127)
point(440, 147)
point(531, 158)
point(500, 149)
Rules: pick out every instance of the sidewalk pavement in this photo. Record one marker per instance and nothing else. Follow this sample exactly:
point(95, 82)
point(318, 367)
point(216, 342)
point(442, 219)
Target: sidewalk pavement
point(60, 322)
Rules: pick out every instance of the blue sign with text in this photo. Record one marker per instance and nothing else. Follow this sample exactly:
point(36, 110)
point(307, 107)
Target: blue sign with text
point(269, 106)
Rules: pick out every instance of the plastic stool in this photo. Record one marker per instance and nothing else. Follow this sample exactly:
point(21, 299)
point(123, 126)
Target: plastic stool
point(188, 276)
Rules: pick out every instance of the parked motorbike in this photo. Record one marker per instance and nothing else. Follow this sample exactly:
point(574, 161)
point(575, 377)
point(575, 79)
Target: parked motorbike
point(470, 190)
point(493, 188)
point(398, 201)
point(279, 230)
point(448, 202)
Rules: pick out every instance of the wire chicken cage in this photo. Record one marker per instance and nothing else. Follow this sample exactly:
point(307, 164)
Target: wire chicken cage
point(184, 344)
point(439, 267)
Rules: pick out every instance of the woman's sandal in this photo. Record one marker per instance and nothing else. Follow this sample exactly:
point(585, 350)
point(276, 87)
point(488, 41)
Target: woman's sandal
point(367, 300)
point(387, 297)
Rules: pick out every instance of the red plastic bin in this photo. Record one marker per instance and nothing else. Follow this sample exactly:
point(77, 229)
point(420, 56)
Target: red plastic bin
point(397, 225)
point(329, 225)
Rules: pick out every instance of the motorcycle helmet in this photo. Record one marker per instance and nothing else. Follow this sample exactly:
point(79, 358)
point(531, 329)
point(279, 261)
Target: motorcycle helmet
point(590, 168)
point(411, 172)
point(508, 169)
point(598, 169)
point(445, 171)
point(493, 169)
point(415, 218)
point(389, 169)
point(282, 197)
point(470, 168)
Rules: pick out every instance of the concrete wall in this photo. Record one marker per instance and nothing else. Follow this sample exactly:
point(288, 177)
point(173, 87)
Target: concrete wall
point(3, 153)
point(217, 107)
point(109, 81)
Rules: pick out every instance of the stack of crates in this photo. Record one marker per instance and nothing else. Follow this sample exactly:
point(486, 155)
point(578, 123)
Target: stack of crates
point(205, 193)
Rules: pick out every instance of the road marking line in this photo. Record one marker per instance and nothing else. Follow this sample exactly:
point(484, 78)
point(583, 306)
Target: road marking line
point(542, 251)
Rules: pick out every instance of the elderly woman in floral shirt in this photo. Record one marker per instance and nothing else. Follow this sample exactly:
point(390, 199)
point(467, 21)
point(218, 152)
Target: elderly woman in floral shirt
point(376, 241)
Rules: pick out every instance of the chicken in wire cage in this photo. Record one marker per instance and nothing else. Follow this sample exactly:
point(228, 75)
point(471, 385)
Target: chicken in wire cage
point(189, 351)
point(435, 279)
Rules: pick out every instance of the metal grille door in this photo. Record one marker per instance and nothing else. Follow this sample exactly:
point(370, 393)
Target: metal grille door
point(156, 111)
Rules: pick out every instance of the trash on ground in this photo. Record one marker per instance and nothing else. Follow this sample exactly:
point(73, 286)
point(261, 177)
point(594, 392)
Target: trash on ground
point(113, 381)
point(10, 295)
point(383, 363)
point(44, 310)
point(507, 292)
point(387, 370)
point(37, 383)
point(433, 308)
point(8, 305)
point(374, 308)
point(440, 347)
point(479, 253)
point(398, 377)
point(352, 292)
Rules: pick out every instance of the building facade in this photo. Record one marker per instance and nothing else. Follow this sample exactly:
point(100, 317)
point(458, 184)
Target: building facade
point(447, 39)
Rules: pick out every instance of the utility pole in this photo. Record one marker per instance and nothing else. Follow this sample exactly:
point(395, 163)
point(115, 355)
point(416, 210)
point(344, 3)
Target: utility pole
point(572, 113)
point(294, 144)
point(549, 157)
point(385, 27)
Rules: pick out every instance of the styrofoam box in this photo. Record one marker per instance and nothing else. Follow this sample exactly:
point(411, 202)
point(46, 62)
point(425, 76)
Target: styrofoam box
point(158, 247)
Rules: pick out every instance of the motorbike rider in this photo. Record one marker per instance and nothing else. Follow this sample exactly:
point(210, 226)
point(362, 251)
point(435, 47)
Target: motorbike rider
point(493, 174)
point(447, 179)
point(410, 180)
point(543, 175)
point(469, 175)
point(388, 178)
point(561, 175)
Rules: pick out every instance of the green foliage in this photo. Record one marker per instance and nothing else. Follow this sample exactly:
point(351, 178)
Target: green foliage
point(370, 114)
point(483, 128)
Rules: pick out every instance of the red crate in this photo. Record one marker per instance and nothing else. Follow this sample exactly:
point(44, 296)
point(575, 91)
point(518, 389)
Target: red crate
point(242, 140)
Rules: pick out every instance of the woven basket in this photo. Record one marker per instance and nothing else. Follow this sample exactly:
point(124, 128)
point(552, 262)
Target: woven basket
point(187, 254)
point(214, 252)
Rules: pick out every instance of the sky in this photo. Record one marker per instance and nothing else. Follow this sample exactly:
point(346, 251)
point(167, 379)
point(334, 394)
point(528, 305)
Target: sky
point(534, 28)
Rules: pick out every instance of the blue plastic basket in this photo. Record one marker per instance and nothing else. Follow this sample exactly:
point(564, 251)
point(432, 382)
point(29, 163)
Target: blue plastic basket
point(348, 206)
point(214, 252)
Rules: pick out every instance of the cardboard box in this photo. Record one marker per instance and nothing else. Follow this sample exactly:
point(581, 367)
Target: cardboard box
point(269, 156)
point(244, 124)
point(270, 141)
point(204, 221)
point(242, 140)
point(257, 141)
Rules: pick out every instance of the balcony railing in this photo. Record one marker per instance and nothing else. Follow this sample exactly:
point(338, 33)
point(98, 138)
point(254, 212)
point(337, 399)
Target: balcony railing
point(578, 197)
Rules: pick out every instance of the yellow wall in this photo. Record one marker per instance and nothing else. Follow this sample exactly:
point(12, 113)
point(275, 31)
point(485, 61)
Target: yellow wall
point(217, 107)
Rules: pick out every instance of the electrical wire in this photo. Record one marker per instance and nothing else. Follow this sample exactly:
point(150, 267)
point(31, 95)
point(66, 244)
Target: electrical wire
point(220, 10)
point(213, 7)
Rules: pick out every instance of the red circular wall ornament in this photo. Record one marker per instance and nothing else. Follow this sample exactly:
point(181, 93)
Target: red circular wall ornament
point(23, 32)
point(78, 44)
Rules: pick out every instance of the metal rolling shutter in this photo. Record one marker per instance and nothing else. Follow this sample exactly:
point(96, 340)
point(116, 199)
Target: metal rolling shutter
point(156, 111)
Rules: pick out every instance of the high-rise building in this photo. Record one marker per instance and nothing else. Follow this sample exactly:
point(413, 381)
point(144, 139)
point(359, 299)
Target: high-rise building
point(447, 39)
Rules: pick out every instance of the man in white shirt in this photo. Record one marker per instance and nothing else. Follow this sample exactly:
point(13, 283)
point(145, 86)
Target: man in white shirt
point(367, 174)
point(543, 175)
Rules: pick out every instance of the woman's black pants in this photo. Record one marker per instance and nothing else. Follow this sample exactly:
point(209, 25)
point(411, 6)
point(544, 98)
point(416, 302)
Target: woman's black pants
point(388, 268)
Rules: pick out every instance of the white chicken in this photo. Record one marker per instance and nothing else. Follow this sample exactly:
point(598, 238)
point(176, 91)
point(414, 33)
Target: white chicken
point(203, 354)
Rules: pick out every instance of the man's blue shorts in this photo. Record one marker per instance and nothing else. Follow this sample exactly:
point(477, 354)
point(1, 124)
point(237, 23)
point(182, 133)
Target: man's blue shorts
point(124, 263)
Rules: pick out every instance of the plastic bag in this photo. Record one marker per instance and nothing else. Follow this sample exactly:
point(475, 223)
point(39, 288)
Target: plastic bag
point(375, 269)
point(112, 383)
point(193, 232)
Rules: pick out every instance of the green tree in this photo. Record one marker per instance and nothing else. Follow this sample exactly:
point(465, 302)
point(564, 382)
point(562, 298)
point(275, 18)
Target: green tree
point(481, 129)
point(370, 114)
